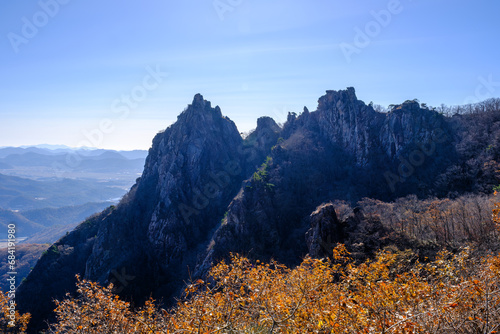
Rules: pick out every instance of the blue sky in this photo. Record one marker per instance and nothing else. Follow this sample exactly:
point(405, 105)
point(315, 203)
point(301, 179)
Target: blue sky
point(68, 66)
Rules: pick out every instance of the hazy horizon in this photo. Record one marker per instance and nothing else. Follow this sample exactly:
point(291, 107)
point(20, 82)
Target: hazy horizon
point(128, 69)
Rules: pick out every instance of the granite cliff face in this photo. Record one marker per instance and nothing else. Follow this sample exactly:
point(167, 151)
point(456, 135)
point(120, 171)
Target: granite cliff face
point(192, 172)
point(345, 149)
point(350, 123)
point(409, 124)
point(366, 134)
point(147, 242)
point(206, 192)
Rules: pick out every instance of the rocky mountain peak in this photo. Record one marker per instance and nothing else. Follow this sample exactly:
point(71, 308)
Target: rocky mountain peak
point(193, 170)
point(199, 102)
point(205, 192)
point(409, 105)
point(335, 98)
point(267, 122)
point(200, 110)
point(348, 122)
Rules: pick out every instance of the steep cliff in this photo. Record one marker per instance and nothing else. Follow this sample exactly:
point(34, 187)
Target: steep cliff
point(343, 150)
point(206, 192)
point(192, 172)
point(54, 273)
point(148, 242)
point(350, 123)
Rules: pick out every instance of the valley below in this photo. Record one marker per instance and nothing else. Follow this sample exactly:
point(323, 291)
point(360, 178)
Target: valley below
point(45, 197)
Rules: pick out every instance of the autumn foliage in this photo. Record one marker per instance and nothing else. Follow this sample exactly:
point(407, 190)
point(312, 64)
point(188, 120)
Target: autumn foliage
point(446, 222)
point(496, 213)
point(393, 293)
point(10, 319)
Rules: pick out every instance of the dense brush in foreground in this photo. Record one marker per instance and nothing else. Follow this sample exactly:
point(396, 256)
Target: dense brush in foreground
point(392, 293)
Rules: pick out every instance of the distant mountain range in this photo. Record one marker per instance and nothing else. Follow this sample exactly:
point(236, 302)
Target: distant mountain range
point(59, 149)
point(55, 185)
point(56, 147)
point(23, 169)
point(22, 194)
point(64, 161)
point(46, 225)
point(48, 189)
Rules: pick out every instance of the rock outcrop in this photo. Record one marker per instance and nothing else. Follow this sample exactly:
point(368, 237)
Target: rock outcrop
point(362, 236)
point(147, 243)
point(343, 150)
point(259, 142)
point(206, 192)
point(366, 133)
point(350, 123)
point(325, 232)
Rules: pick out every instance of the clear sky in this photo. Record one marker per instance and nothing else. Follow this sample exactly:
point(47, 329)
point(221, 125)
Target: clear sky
point(113, 73)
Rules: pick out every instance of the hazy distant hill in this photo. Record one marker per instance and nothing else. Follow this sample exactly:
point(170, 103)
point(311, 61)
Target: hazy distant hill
point(96, 162)
point(48, 224)
point(51, 234)
point(26, 257)
point(6, 151)
point(24, 194)
point(45, 188)
point(4, 165)
point(61, 149)
point(24, 226)
point(65, 215)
